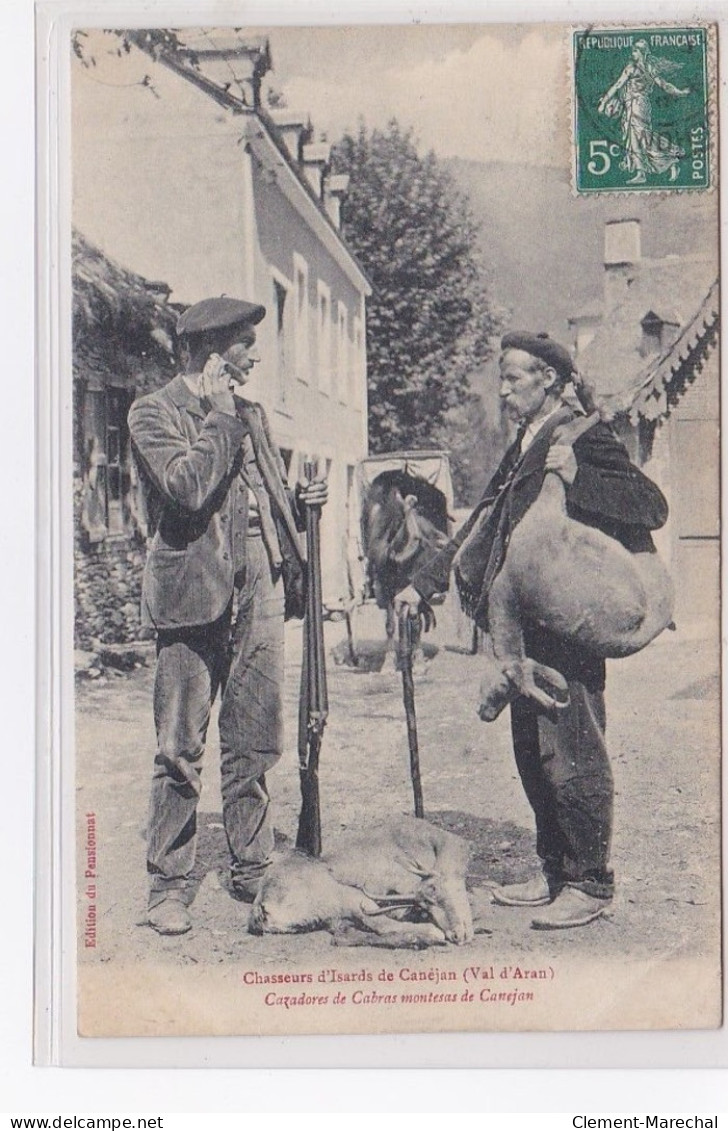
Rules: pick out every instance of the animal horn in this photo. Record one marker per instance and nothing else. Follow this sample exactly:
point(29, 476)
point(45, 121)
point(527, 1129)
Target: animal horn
point(584, 393)
point(570, 433)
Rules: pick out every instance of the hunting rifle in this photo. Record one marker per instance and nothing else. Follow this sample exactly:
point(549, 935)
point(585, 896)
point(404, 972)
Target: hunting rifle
point(407, 630)
point(313, 703)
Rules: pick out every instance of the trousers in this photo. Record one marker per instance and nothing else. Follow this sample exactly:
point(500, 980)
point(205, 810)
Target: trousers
point(241, 657)
point(562, 761)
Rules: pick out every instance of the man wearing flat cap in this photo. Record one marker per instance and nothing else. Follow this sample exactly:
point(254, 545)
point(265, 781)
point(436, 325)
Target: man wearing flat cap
point(222, 571)
point(561, 754)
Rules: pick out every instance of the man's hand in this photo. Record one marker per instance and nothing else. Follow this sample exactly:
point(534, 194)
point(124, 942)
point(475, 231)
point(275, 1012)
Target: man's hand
point(562, 460)
point(214, 385)
point(407, 602)
point(313, 494)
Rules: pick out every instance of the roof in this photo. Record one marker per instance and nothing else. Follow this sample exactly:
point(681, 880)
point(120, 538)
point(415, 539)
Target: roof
point(662, 384)
point(410, 453)
point(662, 316)
point(431, 466)
point(122, 325)
point(270, 148)
point(673, 287)
point(107, 297)
point(590, 310)
point(189, 64)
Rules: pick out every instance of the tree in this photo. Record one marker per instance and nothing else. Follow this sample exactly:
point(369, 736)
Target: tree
point(429, 319)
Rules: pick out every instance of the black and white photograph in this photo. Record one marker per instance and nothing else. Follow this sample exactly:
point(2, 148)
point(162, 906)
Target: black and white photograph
point(393, 418)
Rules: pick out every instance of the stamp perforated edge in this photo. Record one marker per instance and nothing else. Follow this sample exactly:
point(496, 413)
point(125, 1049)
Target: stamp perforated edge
point(711, 109)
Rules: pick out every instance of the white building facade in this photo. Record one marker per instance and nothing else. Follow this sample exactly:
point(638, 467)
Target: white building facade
point(183, 177)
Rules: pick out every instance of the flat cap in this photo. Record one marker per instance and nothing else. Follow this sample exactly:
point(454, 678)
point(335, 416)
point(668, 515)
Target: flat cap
point(541, 345)
point(219, 313)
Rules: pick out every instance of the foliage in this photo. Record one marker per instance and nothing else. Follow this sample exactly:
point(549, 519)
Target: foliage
point(429, 319)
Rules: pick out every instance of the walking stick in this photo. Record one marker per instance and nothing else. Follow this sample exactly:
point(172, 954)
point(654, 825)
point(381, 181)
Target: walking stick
point(313, 702)
point(406, 648)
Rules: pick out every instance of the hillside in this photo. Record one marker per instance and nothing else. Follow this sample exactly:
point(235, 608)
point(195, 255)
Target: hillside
point(544, 246)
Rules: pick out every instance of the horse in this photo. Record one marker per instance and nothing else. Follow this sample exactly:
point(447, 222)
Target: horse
point(404, 523)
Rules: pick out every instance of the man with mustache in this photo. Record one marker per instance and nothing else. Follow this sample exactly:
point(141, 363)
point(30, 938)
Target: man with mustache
point(561, 754)
point(223, 570)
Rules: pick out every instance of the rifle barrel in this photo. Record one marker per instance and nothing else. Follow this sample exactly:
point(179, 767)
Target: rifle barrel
point(314, 702)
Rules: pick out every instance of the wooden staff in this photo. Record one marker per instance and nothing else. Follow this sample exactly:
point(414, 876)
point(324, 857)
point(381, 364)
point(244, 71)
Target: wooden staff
point(406, 648)
point(313, 703)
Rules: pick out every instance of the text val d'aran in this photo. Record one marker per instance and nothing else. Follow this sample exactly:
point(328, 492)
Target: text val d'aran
point(403, 986)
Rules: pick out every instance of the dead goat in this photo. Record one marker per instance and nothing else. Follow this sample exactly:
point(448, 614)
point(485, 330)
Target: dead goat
point(399, 885)
point(575, 581)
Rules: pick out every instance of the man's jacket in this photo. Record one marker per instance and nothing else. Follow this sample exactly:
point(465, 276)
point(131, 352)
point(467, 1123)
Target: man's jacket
point(609, 492)
point(189, 462)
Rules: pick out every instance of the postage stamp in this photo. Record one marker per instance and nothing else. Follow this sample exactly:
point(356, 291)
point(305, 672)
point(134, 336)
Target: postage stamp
point(641, 109)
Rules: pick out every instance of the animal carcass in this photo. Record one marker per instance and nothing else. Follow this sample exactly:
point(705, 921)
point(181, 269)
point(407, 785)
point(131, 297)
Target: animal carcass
point(575, 581)
point(370, 887)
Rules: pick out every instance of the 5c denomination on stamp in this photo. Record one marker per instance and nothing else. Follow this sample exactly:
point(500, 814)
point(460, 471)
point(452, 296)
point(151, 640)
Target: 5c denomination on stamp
point(641, 109)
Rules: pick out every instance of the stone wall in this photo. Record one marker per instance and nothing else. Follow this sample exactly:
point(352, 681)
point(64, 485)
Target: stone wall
point(107, 588)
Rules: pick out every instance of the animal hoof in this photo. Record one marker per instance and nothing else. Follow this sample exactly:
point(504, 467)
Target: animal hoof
point(544, 685)
point(459, 936)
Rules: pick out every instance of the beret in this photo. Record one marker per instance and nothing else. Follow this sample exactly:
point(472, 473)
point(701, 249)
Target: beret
point(218, 313)
point(541, 345)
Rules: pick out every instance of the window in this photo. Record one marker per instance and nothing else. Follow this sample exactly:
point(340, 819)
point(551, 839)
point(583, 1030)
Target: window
point(281, 310)
point(357, 370)
point(324, 338)
point(106, 502)
point(342, 353)
point(300, 277)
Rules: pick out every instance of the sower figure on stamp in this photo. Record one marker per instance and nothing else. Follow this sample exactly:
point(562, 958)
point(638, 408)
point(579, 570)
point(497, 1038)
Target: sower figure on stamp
point(223, 569)
point(560, 750)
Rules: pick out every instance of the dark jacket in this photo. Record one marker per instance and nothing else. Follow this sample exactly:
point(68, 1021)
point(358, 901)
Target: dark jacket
point(189, 462)
point(609, 492)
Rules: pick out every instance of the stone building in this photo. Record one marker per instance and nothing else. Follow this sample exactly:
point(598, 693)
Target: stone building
point(123, 331)
point(650, 350)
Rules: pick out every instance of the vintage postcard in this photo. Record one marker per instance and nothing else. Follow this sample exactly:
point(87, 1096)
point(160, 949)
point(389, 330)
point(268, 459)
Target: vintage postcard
point(394, 429)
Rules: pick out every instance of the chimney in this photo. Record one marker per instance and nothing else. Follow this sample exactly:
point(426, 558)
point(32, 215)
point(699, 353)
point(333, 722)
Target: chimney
point(335, 189)
point(584, 328)
point(294, 129)
point(235, 63)
point(315, 160)
point(622, 256)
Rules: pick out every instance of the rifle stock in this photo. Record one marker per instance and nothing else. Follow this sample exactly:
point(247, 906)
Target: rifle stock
point(309, 821)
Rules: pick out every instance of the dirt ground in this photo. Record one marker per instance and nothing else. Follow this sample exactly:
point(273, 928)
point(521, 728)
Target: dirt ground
point(663, 736)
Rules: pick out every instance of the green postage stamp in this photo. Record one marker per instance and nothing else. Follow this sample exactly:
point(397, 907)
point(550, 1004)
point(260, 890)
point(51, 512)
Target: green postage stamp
point(641, 109)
